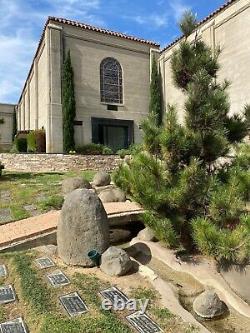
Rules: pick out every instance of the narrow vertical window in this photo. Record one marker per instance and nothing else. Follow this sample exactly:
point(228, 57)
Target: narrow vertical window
point(111, 81)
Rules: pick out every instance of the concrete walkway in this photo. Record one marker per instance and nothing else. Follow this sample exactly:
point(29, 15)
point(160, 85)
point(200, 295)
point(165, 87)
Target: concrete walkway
point(14, 232)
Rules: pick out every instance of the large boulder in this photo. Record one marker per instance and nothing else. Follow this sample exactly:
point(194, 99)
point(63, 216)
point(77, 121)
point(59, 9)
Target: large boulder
point(101, 178)
point(71, 184)
point(83, 226)
point(112, 195)
point(147, 235)
point(115, 262)
point(208, 305)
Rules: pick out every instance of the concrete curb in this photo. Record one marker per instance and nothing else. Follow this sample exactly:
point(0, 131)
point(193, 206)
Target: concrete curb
point(205, 272)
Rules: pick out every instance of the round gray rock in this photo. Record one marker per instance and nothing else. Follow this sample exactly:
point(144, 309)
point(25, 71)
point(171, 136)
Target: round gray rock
point(115, 262)
point(208, 305)
point(112, 195)
point(83, 226)
point(147, 235)
point(71, 184)
point(101, 178)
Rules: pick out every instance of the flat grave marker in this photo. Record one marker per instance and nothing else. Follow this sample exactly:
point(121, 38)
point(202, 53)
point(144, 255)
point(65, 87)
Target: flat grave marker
point(3, 271)
point(7, 294)
point(73, 304)
point(115, 296)
point(13, 326)
point(58, 279)
point(142, 323)
point(45, 262)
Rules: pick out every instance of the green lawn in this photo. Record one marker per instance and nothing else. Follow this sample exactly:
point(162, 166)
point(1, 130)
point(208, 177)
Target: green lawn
point(38, 302)
point(25, 194)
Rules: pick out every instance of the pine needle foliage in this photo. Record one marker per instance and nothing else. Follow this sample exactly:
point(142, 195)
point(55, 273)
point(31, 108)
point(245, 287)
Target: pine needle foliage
point(194, 195)
point(68, 105)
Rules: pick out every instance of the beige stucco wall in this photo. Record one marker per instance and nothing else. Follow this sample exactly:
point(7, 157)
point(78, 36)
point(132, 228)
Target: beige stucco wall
point(34, 100)
point(230, 30)
point(42, 63)
point(40, 103)
point(6, 129)
point(88, 49)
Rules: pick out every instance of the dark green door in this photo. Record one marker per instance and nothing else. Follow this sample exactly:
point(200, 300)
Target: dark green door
point(115, 137)
point(116, 134)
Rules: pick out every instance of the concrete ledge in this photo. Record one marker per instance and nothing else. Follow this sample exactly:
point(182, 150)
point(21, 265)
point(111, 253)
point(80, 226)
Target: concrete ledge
point(28, 243)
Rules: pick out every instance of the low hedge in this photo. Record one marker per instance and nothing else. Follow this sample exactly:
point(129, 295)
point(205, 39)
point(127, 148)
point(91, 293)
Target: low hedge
point(94, 149)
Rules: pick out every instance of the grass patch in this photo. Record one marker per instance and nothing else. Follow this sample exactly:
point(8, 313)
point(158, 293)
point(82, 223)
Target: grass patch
point(41, 190)
point(52, 202)
point(143, 293)
point(39, 305)
point(18, 213)
point(34, 291)
point(90, 286)
point(100, 324)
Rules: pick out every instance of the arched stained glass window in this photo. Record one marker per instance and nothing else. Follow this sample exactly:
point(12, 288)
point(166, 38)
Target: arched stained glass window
point(111, 81)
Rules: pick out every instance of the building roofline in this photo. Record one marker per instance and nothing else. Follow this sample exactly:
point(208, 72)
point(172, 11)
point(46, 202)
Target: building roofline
point(101, 30)
point(207, 18)
point(8, 104)
point(84, 27)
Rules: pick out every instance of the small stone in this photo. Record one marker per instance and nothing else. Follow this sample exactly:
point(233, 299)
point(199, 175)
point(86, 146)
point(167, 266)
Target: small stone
point(115, 262)
point(112, 195)
point(71, 184)
point(147, 235)
point(101, 178)
point(208, 305)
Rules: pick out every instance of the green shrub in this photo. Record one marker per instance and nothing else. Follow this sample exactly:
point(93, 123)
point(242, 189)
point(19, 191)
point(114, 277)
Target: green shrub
point(36, 141)
point(40, 140)
point(107, 151)
point(31, 142)
point(94, 149)
point(21, 144)
point(123, 152)
point(133, 149)
point(190, 198)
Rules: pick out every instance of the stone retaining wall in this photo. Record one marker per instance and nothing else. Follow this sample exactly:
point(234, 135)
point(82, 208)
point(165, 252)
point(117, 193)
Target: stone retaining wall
point(58, 162)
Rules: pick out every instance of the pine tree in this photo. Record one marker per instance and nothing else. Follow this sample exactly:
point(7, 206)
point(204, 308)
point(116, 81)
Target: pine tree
point(68, 105)
point(191, 199)
point(155, 93)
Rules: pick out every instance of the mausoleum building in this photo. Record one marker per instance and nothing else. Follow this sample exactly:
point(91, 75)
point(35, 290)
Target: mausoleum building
point(112, 77)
